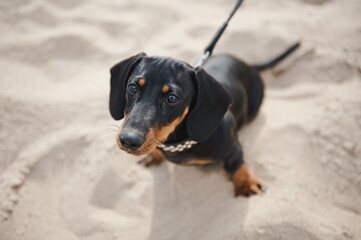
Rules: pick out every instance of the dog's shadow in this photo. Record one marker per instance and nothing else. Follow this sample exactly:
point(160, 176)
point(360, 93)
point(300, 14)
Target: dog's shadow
point(195, 203)
point(198, 202)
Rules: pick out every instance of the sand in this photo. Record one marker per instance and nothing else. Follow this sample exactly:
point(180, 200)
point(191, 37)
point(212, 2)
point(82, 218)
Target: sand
point(63, 177)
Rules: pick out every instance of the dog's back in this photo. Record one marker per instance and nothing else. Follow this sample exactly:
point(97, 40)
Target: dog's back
point(242, 81)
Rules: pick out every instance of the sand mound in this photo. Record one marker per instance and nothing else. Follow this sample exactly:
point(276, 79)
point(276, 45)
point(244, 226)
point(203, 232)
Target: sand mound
point(61, 174)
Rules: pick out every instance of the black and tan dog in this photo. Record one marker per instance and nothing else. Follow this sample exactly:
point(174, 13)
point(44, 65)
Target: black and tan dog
point(185, 115)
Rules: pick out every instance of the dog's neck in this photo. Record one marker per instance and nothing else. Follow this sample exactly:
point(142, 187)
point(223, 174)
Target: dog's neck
point(178, 140)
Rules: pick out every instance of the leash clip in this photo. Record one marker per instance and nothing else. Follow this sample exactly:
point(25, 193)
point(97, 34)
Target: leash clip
point(202, 59)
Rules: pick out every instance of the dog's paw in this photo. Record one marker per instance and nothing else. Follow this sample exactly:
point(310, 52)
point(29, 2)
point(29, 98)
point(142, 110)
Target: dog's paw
point(153, 159)
point(245, 184)
point(249, 188)
point(149, 161)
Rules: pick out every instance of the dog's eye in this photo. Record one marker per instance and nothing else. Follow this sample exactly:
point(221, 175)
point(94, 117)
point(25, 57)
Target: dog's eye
point(172, 98)
point(132, 88)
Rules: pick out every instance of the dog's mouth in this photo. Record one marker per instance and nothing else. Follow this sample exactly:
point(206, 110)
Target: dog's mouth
point(139, 142)
point(149, 145)
point(133, 152)
point(138, 152)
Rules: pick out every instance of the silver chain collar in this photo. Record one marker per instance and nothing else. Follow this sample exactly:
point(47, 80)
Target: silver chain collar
point(178, 147)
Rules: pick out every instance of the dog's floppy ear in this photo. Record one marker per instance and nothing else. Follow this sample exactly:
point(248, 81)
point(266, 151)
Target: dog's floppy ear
point(212, 101)
point(119, 75)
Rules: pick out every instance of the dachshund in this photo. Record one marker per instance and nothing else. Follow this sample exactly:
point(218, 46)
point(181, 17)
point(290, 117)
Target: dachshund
point(189, 116)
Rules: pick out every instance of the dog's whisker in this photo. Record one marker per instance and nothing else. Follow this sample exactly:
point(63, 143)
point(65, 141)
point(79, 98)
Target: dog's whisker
point(110, 131)
point(113, 129)
point(111, 124)
point(107, 134)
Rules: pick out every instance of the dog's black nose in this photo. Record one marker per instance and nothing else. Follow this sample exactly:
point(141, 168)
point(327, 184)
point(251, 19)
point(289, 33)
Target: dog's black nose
point(131, 140)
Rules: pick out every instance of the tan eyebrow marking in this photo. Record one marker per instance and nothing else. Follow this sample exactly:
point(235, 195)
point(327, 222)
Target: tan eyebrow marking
point(141, 82)
point(165, 88)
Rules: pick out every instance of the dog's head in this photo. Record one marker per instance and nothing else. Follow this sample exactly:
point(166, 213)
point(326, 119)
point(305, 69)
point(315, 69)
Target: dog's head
point(155, 94)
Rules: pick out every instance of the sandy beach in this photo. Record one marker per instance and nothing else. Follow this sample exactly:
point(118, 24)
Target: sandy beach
point(63, 177)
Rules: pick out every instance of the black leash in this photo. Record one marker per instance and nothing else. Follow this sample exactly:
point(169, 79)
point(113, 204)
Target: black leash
point(208, 51)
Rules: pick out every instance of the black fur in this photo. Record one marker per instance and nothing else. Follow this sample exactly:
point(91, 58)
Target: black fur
point(119, 77)
point(212, 101)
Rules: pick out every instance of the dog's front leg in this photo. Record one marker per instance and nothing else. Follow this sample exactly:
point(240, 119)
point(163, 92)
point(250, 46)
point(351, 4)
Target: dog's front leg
point(245, 183)
point(153, 159)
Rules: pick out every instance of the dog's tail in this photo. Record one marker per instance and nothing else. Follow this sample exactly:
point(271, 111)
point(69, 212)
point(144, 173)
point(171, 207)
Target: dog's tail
point(274, 62)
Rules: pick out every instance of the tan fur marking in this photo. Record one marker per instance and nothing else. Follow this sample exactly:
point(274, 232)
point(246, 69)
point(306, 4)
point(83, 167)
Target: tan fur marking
point(157, 155)
point(165, 88)
point(245, 183)
point(141, 82)
point(163, 133)
point(198, 162)
point(153, 159)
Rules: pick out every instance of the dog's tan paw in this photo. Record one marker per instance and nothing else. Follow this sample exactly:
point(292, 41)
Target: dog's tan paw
point(245, 184)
